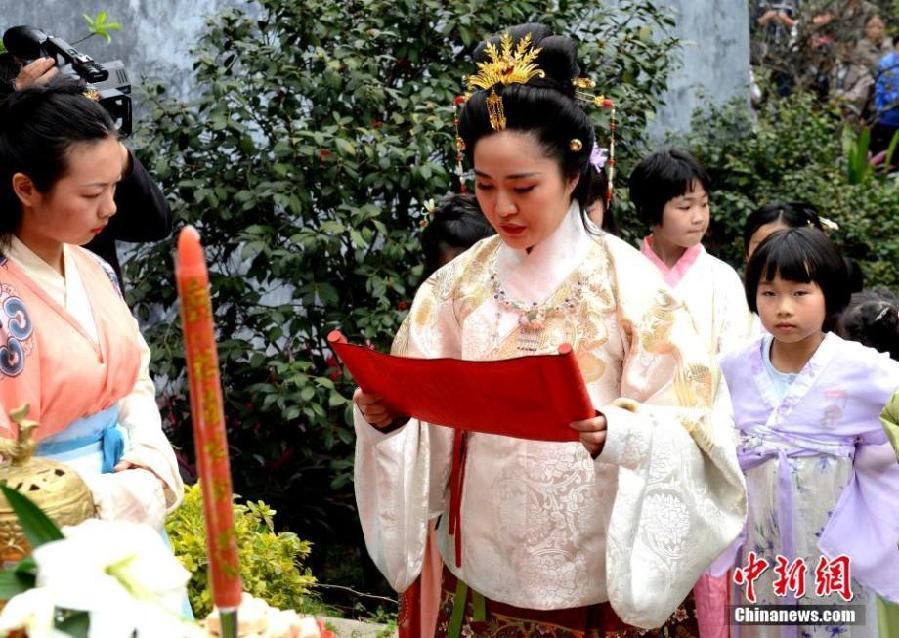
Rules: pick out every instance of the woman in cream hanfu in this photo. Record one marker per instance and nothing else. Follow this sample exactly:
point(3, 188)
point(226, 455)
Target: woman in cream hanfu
point(599, 538)
point(70, 347)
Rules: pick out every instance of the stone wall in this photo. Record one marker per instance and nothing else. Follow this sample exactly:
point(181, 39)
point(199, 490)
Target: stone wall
point(157, 36)
point(715, 60)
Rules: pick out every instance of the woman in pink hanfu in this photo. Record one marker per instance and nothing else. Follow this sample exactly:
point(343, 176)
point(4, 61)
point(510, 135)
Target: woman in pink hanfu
point(69, 346)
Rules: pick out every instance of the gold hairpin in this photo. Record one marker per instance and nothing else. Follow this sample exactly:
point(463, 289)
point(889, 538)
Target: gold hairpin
point(506, 65)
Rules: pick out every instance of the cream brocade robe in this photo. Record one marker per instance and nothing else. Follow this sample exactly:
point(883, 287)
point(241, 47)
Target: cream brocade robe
point(544, 526)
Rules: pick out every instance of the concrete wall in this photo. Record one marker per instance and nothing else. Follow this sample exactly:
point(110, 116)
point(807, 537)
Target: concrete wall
point(157, 36)
point(155, 39)
point(715, 59)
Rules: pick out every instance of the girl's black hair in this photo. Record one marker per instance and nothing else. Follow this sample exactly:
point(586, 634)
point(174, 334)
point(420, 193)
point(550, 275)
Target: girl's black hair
point(872, 319)
point(38, 126)
point(544, 107)
point(456, 222)
point(804, 255)
point(659, 178)
point(791, 214)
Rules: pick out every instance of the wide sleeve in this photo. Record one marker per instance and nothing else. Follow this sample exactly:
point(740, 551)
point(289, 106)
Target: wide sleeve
point(149, 448)
point(735, 322)
point(871, 495)
point(401, 477)
point(681, 497)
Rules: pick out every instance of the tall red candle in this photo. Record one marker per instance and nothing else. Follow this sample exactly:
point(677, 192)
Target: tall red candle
point(210, 439)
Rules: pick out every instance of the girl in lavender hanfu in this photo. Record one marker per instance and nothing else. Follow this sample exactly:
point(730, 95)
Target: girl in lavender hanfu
point(820, 472)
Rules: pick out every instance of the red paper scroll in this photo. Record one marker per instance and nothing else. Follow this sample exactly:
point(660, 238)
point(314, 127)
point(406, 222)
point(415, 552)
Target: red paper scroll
point(533, 397)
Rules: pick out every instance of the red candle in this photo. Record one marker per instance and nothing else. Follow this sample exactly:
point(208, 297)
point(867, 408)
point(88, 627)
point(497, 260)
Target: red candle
point(210, 439)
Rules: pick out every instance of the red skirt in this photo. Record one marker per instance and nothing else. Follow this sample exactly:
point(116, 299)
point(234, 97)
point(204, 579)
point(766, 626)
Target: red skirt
point(592, 621)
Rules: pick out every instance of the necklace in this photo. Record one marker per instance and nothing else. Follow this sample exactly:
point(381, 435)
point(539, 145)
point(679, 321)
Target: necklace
point(532, 316)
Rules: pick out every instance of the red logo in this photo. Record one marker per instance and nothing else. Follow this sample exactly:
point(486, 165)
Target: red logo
point(755, 568)
point(833, 577)
point(790, 577)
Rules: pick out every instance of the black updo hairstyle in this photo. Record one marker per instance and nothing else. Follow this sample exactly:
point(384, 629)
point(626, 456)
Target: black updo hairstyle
point(38, 125)
point(790, 214)
point(804, 255)
point(457, 222)
point(872, 319)
point(545, 107)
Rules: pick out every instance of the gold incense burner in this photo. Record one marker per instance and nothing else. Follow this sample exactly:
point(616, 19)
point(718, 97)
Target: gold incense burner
point(54, 487)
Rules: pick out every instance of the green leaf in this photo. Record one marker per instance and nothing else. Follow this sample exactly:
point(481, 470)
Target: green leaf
point(12, 584)
point(26, 566)
point(75, 624)
point(37, 526)
point(347, 147)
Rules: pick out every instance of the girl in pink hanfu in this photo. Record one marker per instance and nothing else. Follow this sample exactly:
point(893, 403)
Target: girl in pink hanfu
point(670, 191)
point(820, 472)
point(69, 346)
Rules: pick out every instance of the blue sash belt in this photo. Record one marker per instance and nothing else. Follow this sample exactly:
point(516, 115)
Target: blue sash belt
point(97, 432)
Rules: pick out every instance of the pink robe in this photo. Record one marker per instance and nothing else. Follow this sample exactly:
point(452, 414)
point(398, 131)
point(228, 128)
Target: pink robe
point(48, 360)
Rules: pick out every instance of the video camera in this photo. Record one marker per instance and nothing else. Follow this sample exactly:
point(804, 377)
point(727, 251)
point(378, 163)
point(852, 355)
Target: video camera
point(110, 79)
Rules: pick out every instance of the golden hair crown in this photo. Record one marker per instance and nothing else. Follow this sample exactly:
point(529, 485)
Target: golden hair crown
point(510, 64)
point(516, 64)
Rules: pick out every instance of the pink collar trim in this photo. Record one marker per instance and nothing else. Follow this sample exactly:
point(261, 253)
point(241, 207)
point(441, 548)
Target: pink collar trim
point(675, 273)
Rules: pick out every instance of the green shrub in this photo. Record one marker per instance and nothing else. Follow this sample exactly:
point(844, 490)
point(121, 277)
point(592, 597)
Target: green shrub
point(271, 564)
point(795, 149)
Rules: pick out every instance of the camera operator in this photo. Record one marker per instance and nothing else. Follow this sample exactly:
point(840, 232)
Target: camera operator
point(143, 213)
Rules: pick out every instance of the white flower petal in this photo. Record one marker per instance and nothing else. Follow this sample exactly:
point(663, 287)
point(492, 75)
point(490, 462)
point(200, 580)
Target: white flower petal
point(112, 623)
point(33, 611)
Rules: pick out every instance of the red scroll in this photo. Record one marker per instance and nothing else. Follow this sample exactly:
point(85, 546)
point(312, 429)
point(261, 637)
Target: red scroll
point(534, 397)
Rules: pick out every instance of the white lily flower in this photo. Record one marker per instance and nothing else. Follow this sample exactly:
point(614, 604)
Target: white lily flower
point(122, 574)
point(33, 612)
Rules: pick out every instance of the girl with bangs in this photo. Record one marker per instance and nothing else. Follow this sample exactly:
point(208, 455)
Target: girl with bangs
point(820, 472)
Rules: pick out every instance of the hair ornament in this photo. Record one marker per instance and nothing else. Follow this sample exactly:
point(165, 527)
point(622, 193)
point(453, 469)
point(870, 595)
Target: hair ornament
point(829, 225)
point(510, 64)
point(599, 157)
point(583, 86)
point(429, 207)
point(883, 313)
point(575, 145)
point(458, 101)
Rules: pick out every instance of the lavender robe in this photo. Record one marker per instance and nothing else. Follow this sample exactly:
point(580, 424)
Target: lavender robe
point(825, 442)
